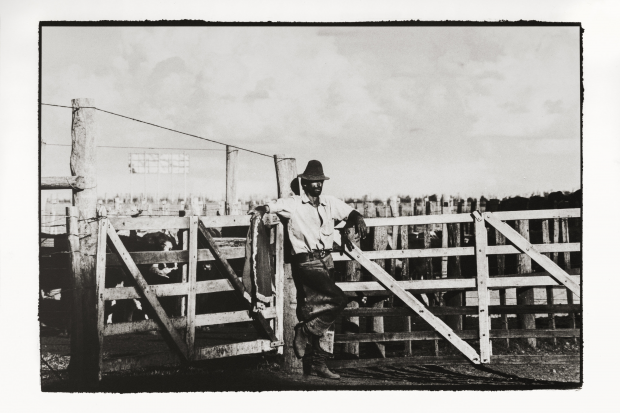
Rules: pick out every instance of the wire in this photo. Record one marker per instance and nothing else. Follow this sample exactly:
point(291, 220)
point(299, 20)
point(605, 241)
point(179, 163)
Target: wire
point(159, 126)
point(140, 147)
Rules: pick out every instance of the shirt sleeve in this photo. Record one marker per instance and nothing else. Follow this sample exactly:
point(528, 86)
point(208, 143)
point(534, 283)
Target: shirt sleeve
point(283, 207)
point(340, 210)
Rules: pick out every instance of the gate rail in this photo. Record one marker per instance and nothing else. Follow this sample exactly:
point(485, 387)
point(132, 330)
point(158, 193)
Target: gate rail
point(553, 277)
point(183, 350)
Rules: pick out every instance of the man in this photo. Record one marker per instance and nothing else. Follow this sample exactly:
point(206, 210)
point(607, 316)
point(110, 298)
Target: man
point(311, 234)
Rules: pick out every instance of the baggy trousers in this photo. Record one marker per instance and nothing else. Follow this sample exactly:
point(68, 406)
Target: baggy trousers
point(319, 300)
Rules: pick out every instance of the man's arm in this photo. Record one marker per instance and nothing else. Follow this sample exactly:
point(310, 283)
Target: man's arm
point(354, 219)
point(284, 207)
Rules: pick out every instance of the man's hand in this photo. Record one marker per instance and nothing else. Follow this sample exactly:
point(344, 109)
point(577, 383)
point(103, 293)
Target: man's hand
point(261, 209)
point(356, 221)
point(346, 242)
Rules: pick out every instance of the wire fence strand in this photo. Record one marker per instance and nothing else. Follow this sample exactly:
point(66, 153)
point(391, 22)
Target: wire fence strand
point(161, 127)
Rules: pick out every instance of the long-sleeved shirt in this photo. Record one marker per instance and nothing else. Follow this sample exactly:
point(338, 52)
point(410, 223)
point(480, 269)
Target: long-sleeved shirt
point(310, 228)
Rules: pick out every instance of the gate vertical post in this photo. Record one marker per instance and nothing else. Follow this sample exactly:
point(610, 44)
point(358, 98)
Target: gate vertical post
point(406, 274)
point(279, 281)
point(84, 365)
point(482, 282)
point(525, 295)
point(380, 240)
point(191, 290)
point(351, 325)
point(454, 298)
point(231, 178)
point(101, 262)
point(286, 172)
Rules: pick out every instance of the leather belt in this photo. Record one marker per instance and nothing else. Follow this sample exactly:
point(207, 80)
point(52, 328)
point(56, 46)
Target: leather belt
point(311, 256)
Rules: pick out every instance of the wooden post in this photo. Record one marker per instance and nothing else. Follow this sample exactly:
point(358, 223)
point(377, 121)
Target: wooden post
point(85, 348)
point(501, 265)
point(454, 298)
point(231, 178)
point(405, 275)
point(525, 295)
point(567, 266)
point(482, 281)
point(549, 290)
point(446, 208)
point(190, 331)
point(286, 171)
point(351, 325)
point(380, 241)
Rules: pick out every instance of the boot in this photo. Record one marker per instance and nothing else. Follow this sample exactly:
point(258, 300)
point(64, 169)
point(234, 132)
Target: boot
point(319, 368)
point(302, 337)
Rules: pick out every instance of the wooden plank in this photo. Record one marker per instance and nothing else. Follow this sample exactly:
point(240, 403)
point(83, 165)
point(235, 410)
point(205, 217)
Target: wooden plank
point(538, 214)
point(405, 274)
point(181, 322)
point(447, 360)
point(391, 284)
point(549, 266)
point(525, 295)
point(166, 290)
point(236, 349)
point(463, 334)
point(234, 280)
point(456, 251)
point(424, 286)
point(279, 281)
point(76, 183)
point(456, 298)
point(141, 284)
point(482, 282)
point(466, 217)
point(163, 257)
point(191, 284)
point(100, 269)
point(157, 223)
point(493, 309)
point(501, 266)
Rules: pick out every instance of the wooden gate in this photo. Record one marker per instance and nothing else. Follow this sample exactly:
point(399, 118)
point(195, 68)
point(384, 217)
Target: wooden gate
point(553, 276)
point(179, 331)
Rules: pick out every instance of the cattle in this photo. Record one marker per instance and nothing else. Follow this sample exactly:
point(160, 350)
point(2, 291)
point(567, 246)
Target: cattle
point(158, 273)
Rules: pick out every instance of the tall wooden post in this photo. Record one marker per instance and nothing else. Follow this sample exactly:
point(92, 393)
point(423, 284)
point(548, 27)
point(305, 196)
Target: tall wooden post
point(454, 298)
point(351, 325)
point(231, 178)
point(86, 346)
point(405, 274)
point(380, 241)
point(286, 171)
point(525, 296)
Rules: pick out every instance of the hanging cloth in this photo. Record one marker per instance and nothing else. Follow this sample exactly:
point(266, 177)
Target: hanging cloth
point(257, 268)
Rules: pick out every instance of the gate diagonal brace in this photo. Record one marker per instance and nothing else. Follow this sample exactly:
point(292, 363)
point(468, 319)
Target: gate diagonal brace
point(526, 247)
point(143, 288)
point(391, 284)
point(234, 280)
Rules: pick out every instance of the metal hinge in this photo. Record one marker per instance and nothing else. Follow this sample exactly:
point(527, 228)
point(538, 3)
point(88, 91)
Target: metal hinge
point(274, 344)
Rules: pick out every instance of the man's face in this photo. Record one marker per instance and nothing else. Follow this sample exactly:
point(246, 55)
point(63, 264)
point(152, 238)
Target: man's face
point(313, 188)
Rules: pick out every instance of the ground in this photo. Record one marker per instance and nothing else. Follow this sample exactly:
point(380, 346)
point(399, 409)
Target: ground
point(263, 372)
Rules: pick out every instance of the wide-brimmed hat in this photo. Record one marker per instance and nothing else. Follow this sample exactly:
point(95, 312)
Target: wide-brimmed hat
point(313, 172)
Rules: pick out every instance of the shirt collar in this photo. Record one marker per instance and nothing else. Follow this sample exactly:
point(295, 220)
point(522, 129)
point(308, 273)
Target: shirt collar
point(306, 200)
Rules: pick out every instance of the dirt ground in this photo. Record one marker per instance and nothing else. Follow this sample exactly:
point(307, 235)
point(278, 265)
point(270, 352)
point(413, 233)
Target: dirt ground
point(263, 372)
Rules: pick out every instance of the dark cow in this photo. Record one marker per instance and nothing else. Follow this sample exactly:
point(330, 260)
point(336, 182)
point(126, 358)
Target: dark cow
point(129, 310)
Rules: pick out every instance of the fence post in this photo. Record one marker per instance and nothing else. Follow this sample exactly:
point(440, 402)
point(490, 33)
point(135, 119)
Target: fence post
point(482, 281)
point(286, 171)
point(567, 266)
point(351, 325)
point(499, 239)
point(231, 178)
point(380, 241)
point(454, 298)
point(84, 367)
point(446, 208)
point(405, 274)
point(525, 296)
point(549, 289)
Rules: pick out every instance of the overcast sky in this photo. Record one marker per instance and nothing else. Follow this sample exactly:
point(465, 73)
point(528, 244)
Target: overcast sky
point(491, 111)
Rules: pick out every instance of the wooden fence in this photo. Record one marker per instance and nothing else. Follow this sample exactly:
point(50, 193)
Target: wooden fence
point(454, 280)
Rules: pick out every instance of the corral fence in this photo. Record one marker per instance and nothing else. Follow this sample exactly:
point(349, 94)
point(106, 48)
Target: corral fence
point(89, 232)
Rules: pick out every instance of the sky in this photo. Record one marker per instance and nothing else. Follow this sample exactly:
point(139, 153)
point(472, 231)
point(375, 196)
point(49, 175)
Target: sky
point(467, 111)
